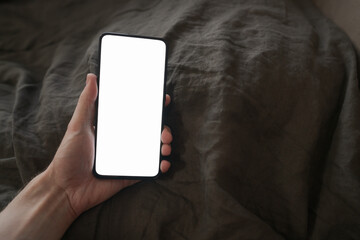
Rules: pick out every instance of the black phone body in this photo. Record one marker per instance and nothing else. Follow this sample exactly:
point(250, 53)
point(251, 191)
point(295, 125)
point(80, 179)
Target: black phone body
point(130, 106)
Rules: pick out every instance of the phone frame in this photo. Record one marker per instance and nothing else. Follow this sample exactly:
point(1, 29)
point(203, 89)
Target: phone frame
point(97, 102)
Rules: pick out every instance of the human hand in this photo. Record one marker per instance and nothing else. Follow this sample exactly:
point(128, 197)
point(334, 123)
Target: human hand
point(72, 166)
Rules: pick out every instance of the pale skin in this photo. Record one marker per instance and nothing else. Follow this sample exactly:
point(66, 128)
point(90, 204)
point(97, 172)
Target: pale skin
point(48, 205)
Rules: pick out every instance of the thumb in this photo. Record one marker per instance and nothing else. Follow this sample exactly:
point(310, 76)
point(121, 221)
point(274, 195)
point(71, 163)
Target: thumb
point(83, 116)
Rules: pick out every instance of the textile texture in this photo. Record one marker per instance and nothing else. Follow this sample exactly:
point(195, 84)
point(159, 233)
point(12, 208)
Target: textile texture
point(265, 115)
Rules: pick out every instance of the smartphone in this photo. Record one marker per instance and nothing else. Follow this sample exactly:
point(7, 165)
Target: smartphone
point(130, 106)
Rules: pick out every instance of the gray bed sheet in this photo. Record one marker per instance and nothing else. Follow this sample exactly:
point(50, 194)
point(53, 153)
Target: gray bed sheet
point(265, 115)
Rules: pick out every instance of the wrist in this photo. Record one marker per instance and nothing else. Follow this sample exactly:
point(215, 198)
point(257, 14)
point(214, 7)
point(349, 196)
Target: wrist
point(56, 195)
point(40, 211)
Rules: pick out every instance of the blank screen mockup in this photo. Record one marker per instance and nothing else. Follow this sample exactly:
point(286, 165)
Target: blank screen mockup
point(130, 106)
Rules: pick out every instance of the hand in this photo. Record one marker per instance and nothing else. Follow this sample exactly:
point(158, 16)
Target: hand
point(47, 206)
point(72, 166)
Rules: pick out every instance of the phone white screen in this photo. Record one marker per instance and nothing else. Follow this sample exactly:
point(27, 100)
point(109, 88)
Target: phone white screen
point(130, 106)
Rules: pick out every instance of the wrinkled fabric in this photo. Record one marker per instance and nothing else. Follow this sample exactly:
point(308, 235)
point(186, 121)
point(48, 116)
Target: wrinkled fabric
point(265, 115)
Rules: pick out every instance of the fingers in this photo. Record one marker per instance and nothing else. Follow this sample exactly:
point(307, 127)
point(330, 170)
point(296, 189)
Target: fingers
point(166, 136)
point(84, 112)
point(164, 166)
point(167, 100)
point(165, 149)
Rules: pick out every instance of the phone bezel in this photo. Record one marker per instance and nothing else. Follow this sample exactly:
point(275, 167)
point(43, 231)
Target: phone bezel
point(97, 100)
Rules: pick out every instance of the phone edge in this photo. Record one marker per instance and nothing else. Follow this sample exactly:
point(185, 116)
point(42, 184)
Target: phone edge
point(96, 174)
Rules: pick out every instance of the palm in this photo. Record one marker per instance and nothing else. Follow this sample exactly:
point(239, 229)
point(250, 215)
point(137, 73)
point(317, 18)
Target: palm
point(74, 172)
